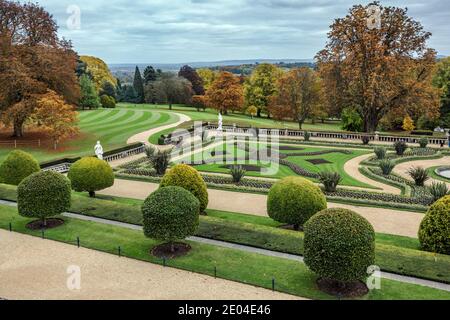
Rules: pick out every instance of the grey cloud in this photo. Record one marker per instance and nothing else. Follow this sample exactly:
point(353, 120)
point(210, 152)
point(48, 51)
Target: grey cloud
point(122, 31)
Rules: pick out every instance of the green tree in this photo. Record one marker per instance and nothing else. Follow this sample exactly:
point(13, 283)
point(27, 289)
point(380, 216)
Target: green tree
point(109, 90)
point(138, 85)
point(89, 98)
point(351, 120)
point(129, 94)
point(150, 75)
point(441, 80)
point(261, 86)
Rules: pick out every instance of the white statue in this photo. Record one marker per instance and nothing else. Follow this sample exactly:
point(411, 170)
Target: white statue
point(219, 128)
point(99, 150)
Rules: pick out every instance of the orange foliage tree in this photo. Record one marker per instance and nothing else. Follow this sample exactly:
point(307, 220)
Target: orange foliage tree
point(378, 69)
point(298, 95)
point(226, 93)
point(55, 117)
point(32, 60)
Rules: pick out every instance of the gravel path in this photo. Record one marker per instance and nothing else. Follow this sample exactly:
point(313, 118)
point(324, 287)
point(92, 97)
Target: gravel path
point(402, 168)
point(32, 268)
point(351, 167)
point(388, 221)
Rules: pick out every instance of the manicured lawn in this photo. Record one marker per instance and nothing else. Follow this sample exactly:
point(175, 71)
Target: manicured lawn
point(112, 127)
point(290, 276)
point(336, 162)
point(237, 118)
point(393, 253)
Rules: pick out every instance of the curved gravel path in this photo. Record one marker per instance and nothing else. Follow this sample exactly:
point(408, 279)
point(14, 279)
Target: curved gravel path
point(33, 268)
point(352, 168)
point(402, 168)
point(143, 136)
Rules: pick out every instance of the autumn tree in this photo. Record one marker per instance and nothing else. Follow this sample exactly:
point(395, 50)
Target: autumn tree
point(208, 76)
point(33, 60)
point(197, 83)
point(138, 85)
point(55, 117)
point(225, 94)
point(298, 94)
point(99, 72)
point(261, 86)
point(378, 69)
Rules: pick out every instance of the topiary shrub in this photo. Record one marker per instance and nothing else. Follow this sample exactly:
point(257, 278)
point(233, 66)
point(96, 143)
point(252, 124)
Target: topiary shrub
point(188, 178)
point(307, 136)
point(170, 214)
point(339, 246)
point(400, 147)
point(365, 140)
point(17, 166)
point(434, 232)
point(43, 194)
point(107, 101)
point(91, 174)
point(294, 200)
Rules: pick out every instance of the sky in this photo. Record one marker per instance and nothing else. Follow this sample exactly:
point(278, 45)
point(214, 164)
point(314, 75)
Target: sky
point(176, 31)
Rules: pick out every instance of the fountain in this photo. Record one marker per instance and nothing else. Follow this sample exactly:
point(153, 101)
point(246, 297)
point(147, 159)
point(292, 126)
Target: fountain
point(443, 172)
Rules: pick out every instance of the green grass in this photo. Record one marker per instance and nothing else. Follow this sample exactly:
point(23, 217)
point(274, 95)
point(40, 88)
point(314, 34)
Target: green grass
point(394, 253)
point(290, 276)
point(337, 162)
point(432, 174)
point(112, 127)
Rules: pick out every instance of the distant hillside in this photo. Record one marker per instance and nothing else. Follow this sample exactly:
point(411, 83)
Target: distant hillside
point(177, 66)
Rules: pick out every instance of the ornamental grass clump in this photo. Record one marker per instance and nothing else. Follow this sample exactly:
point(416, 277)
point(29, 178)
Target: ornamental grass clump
point(387, 166)
point(438, 190)
point(330, 180)
point(237, 173)
point(380, 152)
point(419, 175)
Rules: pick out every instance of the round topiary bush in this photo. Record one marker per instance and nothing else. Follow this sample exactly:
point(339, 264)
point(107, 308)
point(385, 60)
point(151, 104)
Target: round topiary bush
point(17, 166)
point(188, 178)
point(170, 214)
point(44, 194)
point(91, 174)
point(434, 232)
point(339, 246)
point(294, 200)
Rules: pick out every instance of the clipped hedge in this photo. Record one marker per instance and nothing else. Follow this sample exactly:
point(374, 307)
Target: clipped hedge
point(17, 166)
point(294, 200)
point(170, 213)
point(91, 174)
point(188, 178)
point(44, 194)
point(339, 244)
point(434, 232)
